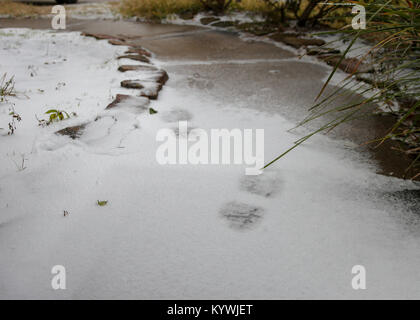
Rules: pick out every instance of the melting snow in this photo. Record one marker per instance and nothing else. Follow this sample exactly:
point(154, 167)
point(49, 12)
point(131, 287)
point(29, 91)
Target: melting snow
point(179, 231)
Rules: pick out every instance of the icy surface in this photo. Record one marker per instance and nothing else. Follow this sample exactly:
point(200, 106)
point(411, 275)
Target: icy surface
point(179, 231)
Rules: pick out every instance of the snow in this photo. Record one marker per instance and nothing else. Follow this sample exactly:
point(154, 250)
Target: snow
point(240, 17)
point(174, 231)
point(92, 11)
point(341, 41)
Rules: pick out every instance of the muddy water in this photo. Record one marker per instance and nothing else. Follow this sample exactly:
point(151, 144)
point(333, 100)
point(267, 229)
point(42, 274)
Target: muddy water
point(249, 74)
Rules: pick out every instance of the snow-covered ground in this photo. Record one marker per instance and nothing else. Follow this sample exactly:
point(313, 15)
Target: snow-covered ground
point(166, 231)
point(92, 11)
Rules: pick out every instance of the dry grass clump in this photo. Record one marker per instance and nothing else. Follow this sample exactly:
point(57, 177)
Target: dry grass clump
point(256, 6)
point(158, 9)
point(17, 9)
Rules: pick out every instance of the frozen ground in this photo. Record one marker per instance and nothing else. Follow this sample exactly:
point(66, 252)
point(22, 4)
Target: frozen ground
point(174, 231)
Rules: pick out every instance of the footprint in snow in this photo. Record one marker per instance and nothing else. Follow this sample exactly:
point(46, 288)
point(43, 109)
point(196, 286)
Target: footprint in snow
point(190, 134)
point(113, 134)
point(110, 133)
point(176, 115)
point(241, 216)
point(199, 82)
point(265, 184)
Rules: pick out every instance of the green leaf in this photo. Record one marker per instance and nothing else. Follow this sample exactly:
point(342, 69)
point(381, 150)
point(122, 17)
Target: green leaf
point(152, 111)
point(51, 111)
point(102, 203)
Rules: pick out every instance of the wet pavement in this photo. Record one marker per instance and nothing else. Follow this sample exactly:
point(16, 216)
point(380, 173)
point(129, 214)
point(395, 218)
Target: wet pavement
point(186, 233)
point(251, 74)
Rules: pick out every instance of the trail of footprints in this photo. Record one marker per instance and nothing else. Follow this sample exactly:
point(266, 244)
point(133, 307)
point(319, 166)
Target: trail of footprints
point(243, 216)
point(239, 215)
